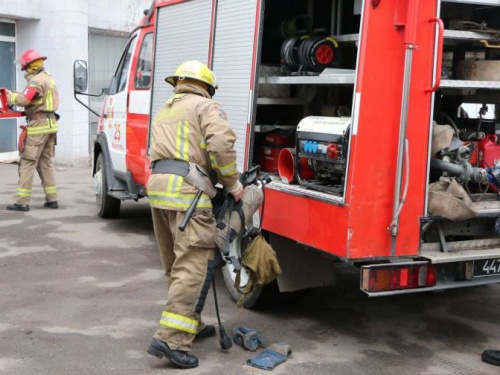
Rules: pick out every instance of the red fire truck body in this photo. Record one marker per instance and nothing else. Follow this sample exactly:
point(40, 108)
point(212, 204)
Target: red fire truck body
point(369, 209)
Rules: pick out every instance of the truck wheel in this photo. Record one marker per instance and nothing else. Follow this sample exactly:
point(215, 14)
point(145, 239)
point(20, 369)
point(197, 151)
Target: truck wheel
point(260, 295)
point(107, 206)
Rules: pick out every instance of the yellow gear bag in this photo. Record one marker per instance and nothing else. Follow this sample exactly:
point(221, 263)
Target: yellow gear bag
point(260, 262)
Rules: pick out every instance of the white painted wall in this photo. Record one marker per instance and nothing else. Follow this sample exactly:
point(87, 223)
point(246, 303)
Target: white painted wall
point(59, 29)
point(119, 14)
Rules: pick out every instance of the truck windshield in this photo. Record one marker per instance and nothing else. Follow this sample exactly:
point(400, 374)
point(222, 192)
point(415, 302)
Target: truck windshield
point(123, 67)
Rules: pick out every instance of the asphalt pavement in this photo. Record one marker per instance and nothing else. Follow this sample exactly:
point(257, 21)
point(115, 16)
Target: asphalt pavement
point(83, 295)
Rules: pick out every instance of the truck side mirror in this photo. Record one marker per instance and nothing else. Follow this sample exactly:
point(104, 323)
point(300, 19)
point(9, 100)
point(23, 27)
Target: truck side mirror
point(80, 76)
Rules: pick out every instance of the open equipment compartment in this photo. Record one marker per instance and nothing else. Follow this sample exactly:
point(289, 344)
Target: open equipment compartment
point(307, 69)
point(466, 114)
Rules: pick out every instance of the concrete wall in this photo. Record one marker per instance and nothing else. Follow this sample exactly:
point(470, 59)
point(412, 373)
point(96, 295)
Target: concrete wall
point(119, 14)
point(59, 29)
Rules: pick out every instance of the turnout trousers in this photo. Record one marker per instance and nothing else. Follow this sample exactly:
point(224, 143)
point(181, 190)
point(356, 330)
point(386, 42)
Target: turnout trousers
point(38, 153)
point(188, 262)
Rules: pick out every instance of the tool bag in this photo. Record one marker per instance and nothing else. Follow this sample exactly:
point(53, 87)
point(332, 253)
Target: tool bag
point(259, 259)
point(448, 199)
point(22, 138)
point(261, 264)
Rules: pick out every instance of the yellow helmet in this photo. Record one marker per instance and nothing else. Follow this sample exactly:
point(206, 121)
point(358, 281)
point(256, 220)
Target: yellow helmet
point(196, 70)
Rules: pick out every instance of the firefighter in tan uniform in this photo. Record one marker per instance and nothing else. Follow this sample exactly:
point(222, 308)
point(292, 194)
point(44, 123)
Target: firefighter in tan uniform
point(40, 100)
point(189, 128)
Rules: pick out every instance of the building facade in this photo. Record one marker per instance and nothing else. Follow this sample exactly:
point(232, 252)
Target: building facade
point(92, 30)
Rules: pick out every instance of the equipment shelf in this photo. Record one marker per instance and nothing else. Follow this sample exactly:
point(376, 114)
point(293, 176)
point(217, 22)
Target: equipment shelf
point(346, 38)
point(448, 34)
point(467, 35)
point(334, 76)
point(280, 101)
point(268, 128)
point(305, 192)
point(474, 2)
point(461, 84)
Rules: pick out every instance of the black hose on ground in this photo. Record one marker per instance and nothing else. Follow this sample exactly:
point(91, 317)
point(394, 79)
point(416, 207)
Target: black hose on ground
point(224, 340)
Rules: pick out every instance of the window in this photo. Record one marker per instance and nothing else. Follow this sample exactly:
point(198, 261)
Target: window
point(121, 72)
point(8, 127)
point(145, 63)
point(7, 29)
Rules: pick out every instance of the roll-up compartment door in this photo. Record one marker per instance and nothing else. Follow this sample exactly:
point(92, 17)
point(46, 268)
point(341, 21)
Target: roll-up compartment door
point(234, 64)
point(182, 33)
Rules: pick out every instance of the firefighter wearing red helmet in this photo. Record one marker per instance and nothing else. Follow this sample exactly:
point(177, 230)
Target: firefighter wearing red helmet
point(190, 130)
point(40, 100)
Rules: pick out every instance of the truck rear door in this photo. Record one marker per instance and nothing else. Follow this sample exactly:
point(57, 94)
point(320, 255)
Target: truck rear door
point(182, 33)
point(235, 55)
point(224, 35)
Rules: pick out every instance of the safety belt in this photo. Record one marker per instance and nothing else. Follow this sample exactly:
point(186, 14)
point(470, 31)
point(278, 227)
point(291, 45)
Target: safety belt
point(177, 167)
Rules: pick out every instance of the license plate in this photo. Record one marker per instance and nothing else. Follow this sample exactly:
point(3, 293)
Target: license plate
point(486, 267)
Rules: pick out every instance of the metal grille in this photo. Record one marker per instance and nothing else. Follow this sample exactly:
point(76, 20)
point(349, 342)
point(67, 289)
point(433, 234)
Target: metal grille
point(233, 51)
point(180, 37)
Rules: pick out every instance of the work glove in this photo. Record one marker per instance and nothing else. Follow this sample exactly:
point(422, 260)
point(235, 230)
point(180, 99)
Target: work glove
point(236, 191)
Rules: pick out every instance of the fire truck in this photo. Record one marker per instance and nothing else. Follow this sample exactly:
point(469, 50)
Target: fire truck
point(342, 103)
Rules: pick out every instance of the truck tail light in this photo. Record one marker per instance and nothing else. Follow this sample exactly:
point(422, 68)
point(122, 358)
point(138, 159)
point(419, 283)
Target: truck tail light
point(381, 278)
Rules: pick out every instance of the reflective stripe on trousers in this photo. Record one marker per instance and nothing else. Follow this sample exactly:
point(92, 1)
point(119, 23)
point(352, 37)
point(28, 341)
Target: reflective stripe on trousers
point(179, 322)
point(49, 190)
point(23, 193)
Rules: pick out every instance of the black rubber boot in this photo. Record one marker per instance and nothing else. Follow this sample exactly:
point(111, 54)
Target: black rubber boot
point(207, 331)
point(18, 207)
point(491, 356)
point(52, 204)
point(181, 359)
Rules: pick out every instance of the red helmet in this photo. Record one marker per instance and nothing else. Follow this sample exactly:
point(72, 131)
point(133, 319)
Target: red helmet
point(29, 56)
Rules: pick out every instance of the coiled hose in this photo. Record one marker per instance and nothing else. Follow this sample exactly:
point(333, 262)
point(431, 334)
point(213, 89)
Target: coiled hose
point(313, 53)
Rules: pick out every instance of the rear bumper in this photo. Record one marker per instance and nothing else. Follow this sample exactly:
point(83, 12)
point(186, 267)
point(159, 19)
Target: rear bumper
point(440, 285)
point(447, 270)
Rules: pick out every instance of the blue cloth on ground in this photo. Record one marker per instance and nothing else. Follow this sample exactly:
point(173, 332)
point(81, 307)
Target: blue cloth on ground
point(271, 357)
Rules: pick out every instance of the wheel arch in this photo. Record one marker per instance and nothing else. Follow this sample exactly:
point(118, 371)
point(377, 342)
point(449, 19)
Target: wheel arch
point(101, 147)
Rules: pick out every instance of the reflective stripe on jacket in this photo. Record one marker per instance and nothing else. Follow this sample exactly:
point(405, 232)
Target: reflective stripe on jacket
point(46, 101)
point(171, 197)
point(191, 127)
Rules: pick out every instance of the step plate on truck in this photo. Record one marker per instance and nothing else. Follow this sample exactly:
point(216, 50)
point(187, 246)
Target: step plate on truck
point(461, 251)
